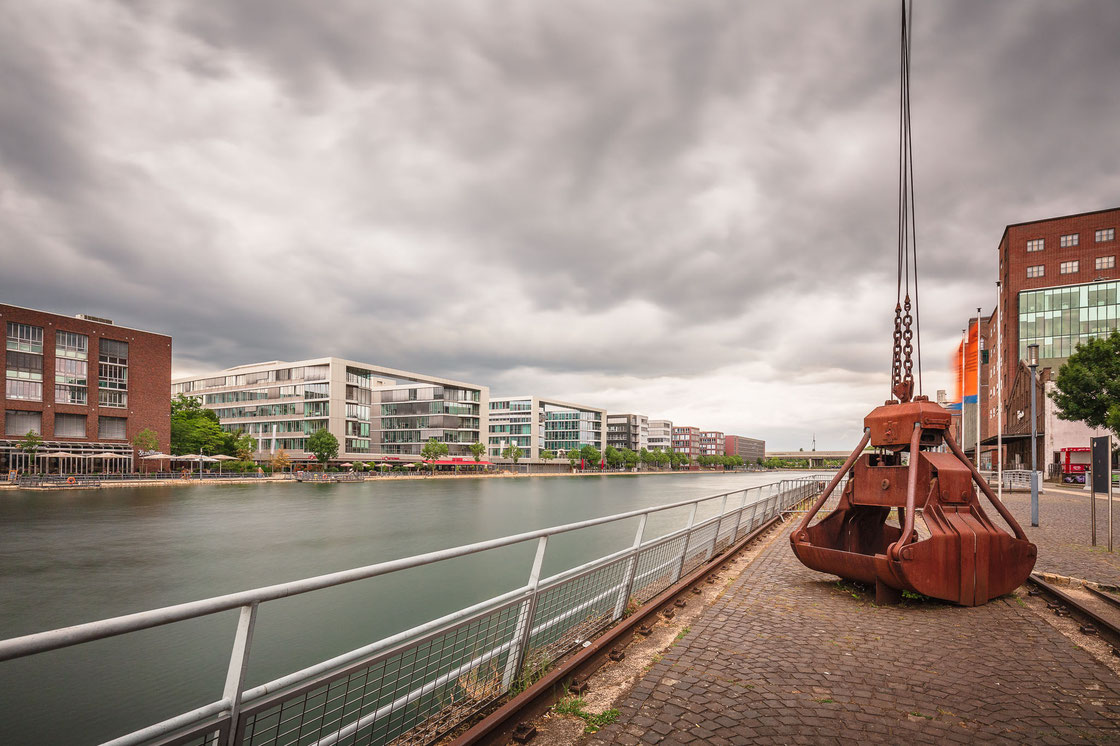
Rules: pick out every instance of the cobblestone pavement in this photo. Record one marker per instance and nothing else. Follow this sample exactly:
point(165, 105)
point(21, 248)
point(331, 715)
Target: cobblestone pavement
point(1063, 533)
point(789, 655)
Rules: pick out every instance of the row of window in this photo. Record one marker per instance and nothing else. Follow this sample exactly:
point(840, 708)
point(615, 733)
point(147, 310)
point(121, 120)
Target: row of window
point(1072, 239)
point(1072, 267)
point(303, 373)
point(17, 423)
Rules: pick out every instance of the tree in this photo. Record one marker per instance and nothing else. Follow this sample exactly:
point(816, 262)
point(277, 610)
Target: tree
point(323, 445)
point(194, 429)
point(664, 458)
point(145, 440)
point(613, 457)
point(478, 450)
point(432, 450)
point(591, 455)
point(547, 455)
point(30, 444)
point(513, 453)
point(630, 458)
point(645, 457)
point(280, 460)
point(574, 456)
point(1088, 385)
point(244, 447)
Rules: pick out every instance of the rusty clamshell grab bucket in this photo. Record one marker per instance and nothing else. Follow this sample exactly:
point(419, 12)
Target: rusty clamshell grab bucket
point(966, 559)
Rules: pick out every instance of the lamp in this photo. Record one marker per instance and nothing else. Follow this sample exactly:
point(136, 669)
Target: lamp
point(1032, 362)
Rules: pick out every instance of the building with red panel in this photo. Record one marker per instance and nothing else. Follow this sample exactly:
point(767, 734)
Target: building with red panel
point(686, 440)
point(86, 386)
point(751, 450)
point(711, 443)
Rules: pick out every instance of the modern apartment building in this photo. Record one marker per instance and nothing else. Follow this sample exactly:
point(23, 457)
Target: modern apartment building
point(376, 413)
point(686, 440)
point(660, 435)
point(536, 424)
point(50, 390)
point(711, 443)
point(628, 431)
point(749, 449)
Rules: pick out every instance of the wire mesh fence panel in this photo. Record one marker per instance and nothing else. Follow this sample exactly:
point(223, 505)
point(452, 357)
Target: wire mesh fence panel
point(699, 546)
point(574, 610)
point(657, 568)
point(410, 695)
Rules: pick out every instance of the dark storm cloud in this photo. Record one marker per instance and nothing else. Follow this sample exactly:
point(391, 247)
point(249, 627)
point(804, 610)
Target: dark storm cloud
point(502, 191)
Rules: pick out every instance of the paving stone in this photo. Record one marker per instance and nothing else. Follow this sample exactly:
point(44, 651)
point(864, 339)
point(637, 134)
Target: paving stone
point(787, 655)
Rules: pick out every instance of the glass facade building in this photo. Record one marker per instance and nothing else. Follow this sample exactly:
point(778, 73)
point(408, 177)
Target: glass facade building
point(534, 424)
point(1059, 319)
point(374, 412)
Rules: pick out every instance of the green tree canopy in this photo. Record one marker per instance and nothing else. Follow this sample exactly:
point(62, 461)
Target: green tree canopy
point(1088, 385)
point(513, 453)
point(145, 440)
point(478, 450)
point(591, 454)
point(547, 455)
point(196, 430)
point(433, 449)
point(244, 447)
point(323, 445)
point(630, 458)
point(613, 457)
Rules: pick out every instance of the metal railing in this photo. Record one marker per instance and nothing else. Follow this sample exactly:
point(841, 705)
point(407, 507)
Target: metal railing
point(1019, 479)
point(414, 686)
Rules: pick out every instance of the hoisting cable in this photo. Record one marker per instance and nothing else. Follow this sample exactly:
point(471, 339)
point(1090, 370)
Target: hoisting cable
point(907, 324)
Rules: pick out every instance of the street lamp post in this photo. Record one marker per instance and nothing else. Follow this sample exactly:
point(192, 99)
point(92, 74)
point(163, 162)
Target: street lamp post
point(1032, 362)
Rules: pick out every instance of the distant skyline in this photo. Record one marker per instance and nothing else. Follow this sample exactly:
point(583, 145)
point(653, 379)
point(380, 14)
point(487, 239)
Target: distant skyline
point(683, 210)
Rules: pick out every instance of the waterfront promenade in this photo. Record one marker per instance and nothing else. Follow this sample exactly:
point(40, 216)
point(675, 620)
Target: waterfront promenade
point(788, 655)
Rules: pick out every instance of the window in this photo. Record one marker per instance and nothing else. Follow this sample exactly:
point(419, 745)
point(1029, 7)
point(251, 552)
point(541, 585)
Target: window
point(1037, 244)
point(70, 426)
point(111, 428)
point(1106, 262)
point(1039, 270)
point(71, 345)
point(1069, 239)
point(1069, 268)
point(114, 399)
point(112, 372)
point(25, 338)
point(26, 390)
point(21, 423)
point(66, 394)
point(1106, 234)
point(25, 365)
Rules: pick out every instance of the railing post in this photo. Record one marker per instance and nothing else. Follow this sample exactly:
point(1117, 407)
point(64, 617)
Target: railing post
point(238, 664)
point(631, 571)
point(687, 541)
point(739, 517)
point(524, 619)
point(719, 525)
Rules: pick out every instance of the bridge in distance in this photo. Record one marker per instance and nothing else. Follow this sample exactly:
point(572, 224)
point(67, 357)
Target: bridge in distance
point(816, 458)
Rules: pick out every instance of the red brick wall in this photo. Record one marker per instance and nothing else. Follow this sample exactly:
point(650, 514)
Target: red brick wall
point(149, 376)
point(1014, 261)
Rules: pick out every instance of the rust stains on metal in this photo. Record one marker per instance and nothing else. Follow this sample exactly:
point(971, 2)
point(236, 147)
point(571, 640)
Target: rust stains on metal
point(966, 558)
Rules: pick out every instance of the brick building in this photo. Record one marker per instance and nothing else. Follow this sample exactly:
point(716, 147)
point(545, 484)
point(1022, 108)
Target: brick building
point(1058, 287)
point(86, 386)
point(686, 440)
point(711, 443)
point(750, 449)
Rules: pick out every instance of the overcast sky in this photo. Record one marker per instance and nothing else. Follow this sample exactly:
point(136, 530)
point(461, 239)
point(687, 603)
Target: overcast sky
point(685, 209)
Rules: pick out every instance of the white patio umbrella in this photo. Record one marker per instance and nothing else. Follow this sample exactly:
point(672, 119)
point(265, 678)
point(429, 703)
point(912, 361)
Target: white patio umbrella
point(220, 458)
point(106, 455)
point(58, 455)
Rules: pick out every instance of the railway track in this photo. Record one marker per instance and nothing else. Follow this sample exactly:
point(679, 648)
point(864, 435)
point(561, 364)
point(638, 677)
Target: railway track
point(1095, 608)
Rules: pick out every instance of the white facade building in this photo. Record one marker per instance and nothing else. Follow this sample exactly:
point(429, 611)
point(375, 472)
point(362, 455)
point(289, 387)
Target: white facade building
point(661, 435)
point(376, 413)
point(535, 424)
